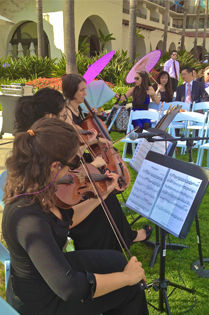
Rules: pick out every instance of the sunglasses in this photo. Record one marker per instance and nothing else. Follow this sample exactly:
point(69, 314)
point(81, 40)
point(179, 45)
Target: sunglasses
point(75, 163)
point(174, 55)
point(136, 78)
point(63, 116)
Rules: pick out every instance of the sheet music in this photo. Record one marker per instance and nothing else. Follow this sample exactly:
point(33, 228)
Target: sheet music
point(163, 195)
point(143, 147)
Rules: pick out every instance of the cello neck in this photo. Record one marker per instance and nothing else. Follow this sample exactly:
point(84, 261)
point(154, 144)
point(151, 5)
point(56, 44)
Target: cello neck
point(97, 122)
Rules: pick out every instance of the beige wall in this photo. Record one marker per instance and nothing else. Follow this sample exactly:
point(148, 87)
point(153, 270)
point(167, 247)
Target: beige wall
point(106, 15)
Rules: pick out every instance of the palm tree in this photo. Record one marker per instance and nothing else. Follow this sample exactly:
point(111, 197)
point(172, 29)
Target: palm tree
point(40, 29)
point(205, 26)
point(104, 39)
point(196, 28)
point(184, 24)
point(132, 30)
point(167, 4)
point(71, 66)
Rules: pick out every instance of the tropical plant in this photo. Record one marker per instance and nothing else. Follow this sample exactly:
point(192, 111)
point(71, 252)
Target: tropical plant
point(104, 39)
point(83, 46)
point(196, 28)
point(167, 6)
point(185, 59)
point(205, 26)
point(185, 8)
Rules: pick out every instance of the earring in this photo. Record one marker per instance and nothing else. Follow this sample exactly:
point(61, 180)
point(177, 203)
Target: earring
point(59, 166)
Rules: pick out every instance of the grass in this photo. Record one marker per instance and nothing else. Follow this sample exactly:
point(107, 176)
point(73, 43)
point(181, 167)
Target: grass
point(178, 263)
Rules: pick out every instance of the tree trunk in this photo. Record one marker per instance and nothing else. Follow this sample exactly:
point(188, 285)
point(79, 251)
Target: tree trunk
point(167, 7)
point(196, 28)
point(132, 30)
point(184, 24)
point(71, 66)
point(40, 29)
point(205, 27)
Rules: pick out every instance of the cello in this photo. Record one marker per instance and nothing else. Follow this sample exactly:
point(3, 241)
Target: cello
point(111, 156)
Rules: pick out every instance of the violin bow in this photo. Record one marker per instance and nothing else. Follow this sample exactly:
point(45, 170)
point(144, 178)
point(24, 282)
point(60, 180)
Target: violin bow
point(113, 225)
point(116, 231)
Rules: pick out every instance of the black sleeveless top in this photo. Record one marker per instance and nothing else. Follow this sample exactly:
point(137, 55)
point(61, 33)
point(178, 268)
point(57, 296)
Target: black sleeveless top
point(76, 119)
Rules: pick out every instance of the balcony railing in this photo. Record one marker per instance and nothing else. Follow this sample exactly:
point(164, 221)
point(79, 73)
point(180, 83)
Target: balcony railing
point(154, 19)
point(138, 13)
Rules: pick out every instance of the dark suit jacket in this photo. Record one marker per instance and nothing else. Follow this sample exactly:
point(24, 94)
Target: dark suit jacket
point(198, 93)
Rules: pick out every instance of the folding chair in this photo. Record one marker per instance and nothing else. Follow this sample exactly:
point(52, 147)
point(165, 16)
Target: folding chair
point(6, 309)
point(139, 114)
point(5, 260)
point(204, 107)
point(188, 117)
point(202, 147)
point(3, 177)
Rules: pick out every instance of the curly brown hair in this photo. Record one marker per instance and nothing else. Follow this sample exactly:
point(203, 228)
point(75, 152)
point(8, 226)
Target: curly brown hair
point(32, 155)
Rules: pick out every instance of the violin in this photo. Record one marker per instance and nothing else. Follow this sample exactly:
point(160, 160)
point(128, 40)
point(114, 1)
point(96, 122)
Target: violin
point(111, 156)
point(72, 188)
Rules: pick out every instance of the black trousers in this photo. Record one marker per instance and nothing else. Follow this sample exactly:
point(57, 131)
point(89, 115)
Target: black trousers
point(129, 300)
point(174, 83)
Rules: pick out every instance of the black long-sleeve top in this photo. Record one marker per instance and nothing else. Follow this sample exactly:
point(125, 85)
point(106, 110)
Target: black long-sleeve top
point(35, 240)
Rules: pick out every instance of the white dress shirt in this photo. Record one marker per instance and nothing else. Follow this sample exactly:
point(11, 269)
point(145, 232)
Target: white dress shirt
point(168, 66)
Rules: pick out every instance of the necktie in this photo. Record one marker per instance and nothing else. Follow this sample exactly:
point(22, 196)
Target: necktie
point(174, 67)
point(188, 96)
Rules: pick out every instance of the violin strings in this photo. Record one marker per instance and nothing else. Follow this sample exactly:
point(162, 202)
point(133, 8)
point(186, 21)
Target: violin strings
point(123, 250)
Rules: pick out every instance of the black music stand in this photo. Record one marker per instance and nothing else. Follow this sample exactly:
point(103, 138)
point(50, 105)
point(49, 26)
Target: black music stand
point(156, 245)
point(176, 219)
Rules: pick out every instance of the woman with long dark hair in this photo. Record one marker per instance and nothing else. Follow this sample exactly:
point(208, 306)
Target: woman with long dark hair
point(164, 87)
point(44, 280)
point(94, 232)
point(141, 94)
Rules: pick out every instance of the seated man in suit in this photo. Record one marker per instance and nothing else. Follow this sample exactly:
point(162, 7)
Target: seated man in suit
point(191, 91)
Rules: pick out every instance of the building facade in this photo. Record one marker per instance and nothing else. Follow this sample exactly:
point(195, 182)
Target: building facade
point(110, 16)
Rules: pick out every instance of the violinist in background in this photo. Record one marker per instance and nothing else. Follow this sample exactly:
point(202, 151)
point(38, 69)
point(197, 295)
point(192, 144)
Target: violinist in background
point(94, 232)
point(43, 279)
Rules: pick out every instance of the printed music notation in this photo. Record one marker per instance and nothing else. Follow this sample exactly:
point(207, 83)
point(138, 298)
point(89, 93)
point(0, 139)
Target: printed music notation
point(143, 147)
point(163, 195)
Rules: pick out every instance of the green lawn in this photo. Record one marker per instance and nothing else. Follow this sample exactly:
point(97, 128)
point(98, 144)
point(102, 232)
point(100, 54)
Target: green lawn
point(178, 263)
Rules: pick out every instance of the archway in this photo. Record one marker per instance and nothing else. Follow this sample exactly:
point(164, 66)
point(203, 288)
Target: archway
point(172, 46)
point(160, 45)
point(199, 52)
point(91, 28)
point(26, 33)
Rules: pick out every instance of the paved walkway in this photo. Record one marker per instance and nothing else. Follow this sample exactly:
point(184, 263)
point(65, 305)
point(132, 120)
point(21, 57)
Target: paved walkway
point(5, 149)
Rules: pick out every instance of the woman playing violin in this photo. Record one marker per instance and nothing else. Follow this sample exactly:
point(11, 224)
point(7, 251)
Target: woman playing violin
point(94, 232)
point(44, 280)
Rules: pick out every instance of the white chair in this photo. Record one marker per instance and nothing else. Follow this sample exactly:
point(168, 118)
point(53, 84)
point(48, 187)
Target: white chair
point(185, 106)
point(3, 177)
point(202, 147)
point(204, 107)
point(188, 117)
point(6, 309)
point(154, 106)
point(139, 114)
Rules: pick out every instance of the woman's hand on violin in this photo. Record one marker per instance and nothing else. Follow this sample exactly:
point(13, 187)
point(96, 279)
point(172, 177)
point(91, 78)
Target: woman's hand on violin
point(134, 271)
point(111, 185)
point(99, 162)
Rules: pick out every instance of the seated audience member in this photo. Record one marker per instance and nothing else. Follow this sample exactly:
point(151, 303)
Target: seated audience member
point(205, 78)
point(194, 72)
point(191, 91)
point(164, 87)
